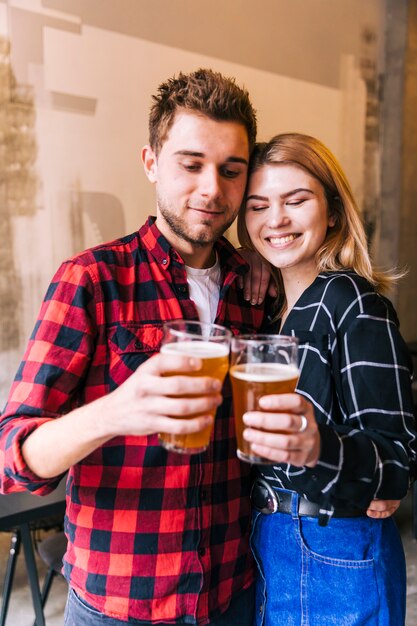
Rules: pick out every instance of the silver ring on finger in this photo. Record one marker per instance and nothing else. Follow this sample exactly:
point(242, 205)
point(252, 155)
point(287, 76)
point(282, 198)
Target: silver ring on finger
point(303, 425)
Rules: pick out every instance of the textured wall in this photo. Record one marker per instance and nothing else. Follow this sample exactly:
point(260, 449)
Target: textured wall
point(398, 214)
point(407, 293)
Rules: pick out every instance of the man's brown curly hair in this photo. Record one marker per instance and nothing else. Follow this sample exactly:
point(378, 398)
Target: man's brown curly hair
point(203, 91)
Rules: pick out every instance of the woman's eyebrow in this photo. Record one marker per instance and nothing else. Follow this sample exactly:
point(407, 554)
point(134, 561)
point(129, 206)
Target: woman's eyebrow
point(285, 195)
point(294, 191)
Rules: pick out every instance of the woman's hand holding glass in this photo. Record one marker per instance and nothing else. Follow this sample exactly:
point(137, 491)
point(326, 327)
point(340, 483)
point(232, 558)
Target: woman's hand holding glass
point(284, 430)
point(266, 366)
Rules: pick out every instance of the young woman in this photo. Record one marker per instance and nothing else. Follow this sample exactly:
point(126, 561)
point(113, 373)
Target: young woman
point(347, 436)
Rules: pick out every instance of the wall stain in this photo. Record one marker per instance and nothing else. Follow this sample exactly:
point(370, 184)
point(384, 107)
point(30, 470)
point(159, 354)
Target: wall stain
point(18, 188)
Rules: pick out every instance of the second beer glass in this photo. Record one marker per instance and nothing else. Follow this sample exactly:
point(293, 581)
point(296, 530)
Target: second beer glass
point(211, 344)
point(260, 365)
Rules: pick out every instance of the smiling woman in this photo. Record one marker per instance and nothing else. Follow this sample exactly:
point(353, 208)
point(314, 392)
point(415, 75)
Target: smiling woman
point(289, 222)
point(351, 427)
point(315, 172)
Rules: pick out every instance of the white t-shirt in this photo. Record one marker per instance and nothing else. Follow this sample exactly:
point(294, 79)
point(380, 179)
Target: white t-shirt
point(204, 287)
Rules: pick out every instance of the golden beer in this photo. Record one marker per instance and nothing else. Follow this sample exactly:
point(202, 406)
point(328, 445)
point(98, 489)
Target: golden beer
point(250, 381)
point(215, 363)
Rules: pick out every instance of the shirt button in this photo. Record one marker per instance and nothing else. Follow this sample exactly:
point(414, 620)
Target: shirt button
point(164, 261)
point(202, 551)
point(261, 608)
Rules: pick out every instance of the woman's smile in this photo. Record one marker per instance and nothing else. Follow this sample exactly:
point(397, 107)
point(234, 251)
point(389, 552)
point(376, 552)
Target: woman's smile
point(281, 240)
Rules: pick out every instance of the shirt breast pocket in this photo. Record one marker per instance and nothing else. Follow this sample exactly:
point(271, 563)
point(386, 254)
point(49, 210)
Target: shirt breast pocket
point(130, 345)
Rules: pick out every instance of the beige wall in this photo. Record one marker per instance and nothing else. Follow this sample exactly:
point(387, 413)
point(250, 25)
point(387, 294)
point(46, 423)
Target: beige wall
point(86, 70)
point(302, 39)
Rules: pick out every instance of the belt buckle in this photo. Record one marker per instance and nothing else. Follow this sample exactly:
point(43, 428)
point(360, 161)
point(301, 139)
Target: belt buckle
point(263, 497)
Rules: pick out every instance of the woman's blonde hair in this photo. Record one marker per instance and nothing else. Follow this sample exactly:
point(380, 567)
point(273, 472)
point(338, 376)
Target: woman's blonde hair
point(345, 246)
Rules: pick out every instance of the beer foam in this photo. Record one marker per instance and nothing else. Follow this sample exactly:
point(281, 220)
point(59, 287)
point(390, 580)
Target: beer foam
point(264, 372)
point(199, 349)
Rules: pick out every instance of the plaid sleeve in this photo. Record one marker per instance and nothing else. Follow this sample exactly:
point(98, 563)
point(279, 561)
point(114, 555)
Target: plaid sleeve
point(368, 455)
point(47, 383)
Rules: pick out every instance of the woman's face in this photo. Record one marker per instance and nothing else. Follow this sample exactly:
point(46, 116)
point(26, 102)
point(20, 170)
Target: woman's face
point(287, 218)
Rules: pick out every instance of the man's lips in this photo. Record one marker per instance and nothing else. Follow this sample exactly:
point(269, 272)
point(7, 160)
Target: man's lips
point(206, 212)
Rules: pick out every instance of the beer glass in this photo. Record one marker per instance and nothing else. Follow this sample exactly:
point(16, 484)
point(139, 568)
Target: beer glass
point(260, 365)
point(211, 344)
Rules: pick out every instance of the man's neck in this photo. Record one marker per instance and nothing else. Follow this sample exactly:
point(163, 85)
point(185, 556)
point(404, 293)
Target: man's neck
point(199, 257)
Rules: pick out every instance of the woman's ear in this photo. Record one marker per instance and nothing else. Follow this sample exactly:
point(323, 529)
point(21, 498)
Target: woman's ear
point(333, 210)
point(150, 163)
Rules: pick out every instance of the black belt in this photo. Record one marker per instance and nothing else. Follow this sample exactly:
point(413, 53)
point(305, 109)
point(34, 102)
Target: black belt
point(267, 500)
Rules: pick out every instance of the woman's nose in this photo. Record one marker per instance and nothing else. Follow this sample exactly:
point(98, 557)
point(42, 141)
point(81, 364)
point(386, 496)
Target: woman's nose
point(277, 216)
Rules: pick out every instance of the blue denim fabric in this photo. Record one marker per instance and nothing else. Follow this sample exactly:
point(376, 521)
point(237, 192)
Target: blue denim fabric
point(79, 613)
point(348, 573)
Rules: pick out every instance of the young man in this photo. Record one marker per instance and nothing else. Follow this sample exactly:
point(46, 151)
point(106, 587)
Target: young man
point(153, 537)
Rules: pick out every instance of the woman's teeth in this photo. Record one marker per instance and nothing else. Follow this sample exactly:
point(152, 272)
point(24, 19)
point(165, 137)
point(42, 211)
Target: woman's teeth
point(282, 240)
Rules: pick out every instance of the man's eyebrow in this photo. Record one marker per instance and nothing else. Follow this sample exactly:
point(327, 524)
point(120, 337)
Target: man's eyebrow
point(189, 153)
point(233, 159)
point(201, 155)
point(256, 197)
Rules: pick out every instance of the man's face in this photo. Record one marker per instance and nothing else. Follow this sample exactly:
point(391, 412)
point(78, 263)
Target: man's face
point(200, 175)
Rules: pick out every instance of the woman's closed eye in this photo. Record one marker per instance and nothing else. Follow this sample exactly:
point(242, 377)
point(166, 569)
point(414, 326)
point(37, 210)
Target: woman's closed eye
point(256, 207)
point(297, 202)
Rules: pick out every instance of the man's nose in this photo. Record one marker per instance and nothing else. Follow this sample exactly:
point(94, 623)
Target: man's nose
point(210, 183)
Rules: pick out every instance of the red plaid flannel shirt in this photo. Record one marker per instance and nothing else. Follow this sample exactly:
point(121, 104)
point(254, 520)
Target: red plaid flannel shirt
point(153, 535)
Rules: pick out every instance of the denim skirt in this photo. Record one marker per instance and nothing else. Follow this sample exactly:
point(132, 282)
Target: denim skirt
point(348, 573)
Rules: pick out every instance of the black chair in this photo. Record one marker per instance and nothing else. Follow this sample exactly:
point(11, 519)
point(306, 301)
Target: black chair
point(51, 550)
point(9, 575)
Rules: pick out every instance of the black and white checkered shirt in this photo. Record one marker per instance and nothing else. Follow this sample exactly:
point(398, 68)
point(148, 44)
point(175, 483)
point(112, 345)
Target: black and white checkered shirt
point(356, 371)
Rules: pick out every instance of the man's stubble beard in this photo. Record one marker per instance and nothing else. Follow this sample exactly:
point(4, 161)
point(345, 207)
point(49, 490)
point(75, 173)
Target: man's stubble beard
point(179, 226)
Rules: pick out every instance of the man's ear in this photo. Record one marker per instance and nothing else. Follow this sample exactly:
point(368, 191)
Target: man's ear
point(150, 163)
point(331, 221)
